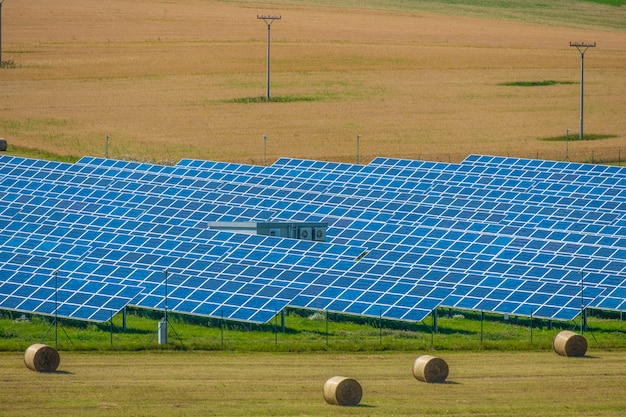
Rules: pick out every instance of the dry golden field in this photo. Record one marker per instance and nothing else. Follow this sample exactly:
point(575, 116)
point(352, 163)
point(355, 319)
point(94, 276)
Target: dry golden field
point(494, 384)
point(164, 80)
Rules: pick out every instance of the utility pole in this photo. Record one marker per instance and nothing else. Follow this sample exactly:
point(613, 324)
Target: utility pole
point(567, 145)
point(1, 62)
point(268, 21)
point(582, 48)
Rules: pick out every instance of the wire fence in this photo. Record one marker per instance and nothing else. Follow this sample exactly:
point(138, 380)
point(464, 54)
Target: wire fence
point(609, 156)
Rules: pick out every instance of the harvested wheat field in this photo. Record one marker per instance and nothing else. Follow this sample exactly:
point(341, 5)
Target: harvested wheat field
point(169, 80)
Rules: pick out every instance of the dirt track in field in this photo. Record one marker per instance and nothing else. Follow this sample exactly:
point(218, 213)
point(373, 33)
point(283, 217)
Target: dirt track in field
point(162, 79)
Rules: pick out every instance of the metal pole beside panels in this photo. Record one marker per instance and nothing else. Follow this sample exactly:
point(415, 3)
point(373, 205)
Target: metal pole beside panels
point(1, 1)
point(583, 316)
point(582, 48)
point(56, 308)
point(268, 21)
point(162, 329)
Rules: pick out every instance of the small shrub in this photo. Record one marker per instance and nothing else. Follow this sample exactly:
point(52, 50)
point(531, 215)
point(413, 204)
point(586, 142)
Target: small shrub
point(535, 83)
point(276, 99)
point(7, 64)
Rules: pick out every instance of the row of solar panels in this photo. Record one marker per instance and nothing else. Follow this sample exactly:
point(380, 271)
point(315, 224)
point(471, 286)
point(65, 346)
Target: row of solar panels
point(153, 267)
point(328, 205)
point(614, 264)
point(590, 246)
point(441, 239)
point(418, 188)
point(162, 201)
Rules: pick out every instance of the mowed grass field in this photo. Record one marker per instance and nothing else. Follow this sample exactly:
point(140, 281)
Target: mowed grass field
point(168, 80)
point(267, 384)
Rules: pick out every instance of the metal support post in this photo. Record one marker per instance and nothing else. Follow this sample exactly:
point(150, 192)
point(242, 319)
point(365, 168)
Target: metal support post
point(583, 318)
point(567, 145)
point(582, 48)
point(1, 62)
point(56, 308)
point(268, 21)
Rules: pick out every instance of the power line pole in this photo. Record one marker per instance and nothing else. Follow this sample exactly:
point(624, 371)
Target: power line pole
point(582, 48)
point(1, 62)
point(268, 21)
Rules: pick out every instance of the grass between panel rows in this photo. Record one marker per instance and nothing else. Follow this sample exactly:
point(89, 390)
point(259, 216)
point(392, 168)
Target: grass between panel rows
point(305, 331)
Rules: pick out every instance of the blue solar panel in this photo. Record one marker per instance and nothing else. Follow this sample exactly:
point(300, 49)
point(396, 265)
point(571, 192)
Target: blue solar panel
point(223, 280)
point(32, 289)
point(288, 195)
point(517, 229)
point(157, 302)
point(296, 262)
point(569, 170)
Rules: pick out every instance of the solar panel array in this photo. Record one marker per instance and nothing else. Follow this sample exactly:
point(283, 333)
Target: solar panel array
point(503, 235)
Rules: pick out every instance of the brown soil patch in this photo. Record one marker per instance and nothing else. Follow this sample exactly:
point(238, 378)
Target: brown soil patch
point(160, 78)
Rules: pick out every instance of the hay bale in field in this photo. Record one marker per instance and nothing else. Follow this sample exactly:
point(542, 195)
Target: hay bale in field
point(570, 344)
point(340, 390)
point(3, 145)
point(41, 358)
point(428, 368)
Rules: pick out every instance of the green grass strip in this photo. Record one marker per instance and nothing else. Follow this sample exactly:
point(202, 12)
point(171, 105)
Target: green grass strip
point(575, 136)
point(536, 83)
point(277, 99)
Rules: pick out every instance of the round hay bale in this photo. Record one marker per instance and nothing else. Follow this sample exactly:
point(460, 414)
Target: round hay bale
point(428, 368)
point(570, 344)
point(3, 145)
point(340, 390)
point(41, 358)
